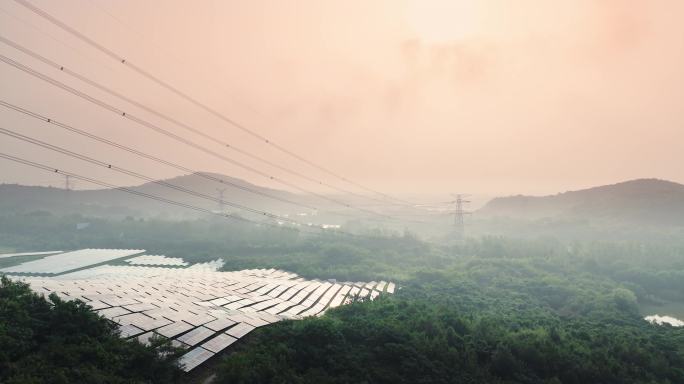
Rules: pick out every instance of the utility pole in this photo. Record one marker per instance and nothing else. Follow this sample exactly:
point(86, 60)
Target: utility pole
point(221, 204)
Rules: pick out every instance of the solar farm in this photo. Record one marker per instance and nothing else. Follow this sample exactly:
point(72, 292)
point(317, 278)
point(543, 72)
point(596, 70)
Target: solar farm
point(201, 309)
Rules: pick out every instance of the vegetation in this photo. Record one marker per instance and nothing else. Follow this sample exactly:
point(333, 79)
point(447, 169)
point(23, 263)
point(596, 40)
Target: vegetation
point(497, 317)
point(497, 310)
point(399, 340)
point(53, 341)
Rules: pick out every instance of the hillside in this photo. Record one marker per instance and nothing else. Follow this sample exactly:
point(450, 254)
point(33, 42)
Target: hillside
point(112, 202)
point(644, 201)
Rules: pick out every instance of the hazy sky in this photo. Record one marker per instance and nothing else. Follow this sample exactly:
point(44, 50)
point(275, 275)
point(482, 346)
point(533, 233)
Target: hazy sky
point(482, 96)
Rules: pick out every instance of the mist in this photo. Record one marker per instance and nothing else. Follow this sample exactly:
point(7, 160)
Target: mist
point(322, 191)
point(534, 98)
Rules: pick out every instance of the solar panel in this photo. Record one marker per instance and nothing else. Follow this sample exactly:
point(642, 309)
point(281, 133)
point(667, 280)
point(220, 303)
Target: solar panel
point(220, 301)
point(279, 308)
point(240, 330)
point(195, 336)
point(199, 319)
point(97, 304)
point(174, 329)
point(68, 261)
point(219, 324)
point(219, 343)
point(370, 285)
point(145, 338)
point(294, 310)
point(390, 288)
point(111, 313)
point(6, 255)
point(140, 307)
point(381, 286)
point(253, 320)
point(197, 306)
point(142, 321)
point(192, 359)
point(129, 330)
point(157, 260)
point(116, 301)
point(339, 297)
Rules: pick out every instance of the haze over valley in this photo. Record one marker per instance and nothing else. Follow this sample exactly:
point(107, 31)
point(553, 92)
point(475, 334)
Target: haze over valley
point(381, 192)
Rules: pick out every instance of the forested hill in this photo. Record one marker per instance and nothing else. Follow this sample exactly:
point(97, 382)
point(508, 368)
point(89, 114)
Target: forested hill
point(643, 201)
point(20, 198)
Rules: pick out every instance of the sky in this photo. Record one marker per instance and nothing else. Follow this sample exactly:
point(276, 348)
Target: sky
point(479, 96)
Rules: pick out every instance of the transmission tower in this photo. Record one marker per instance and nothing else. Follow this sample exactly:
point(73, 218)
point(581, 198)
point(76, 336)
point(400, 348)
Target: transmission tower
point(221, 204)
point(459, 214)
point(68, 184)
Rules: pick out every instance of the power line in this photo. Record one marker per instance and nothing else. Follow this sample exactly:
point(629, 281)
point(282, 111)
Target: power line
point(170, 119)
point(141, 36)
point(154, 158)
point(192, 100)
point(147, 156)
point(125, 171)
point(99, 61)
point(173, 202)
point(103, 164)
point(174, 136)
point(123, 189)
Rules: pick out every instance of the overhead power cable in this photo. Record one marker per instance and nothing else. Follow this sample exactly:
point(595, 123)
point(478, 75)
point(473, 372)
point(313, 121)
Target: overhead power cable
point(156, 159)
point(99, 61)
point(124, 189)
point(148, 156)
point(174, 136)
point(176, 203)
point(194, 101)
point(125, 171)
point(172, 120)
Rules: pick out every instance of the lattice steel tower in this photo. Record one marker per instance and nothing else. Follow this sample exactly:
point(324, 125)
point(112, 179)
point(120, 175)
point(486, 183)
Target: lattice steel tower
point(459, 214)
point(221, 203)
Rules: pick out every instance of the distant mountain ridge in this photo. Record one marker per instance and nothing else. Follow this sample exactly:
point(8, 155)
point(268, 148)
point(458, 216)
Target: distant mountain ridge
point(21, 198)
point(646, 201)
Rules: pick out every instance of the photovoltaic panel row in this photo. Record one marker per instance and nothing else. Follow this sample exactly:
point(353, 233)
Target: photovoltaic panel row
point(199, 309)
point(68, 261)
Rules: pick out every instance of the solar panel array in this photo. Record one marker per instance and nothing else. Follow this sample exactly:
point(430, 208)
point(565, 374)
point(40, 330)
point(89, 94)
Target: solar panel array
point(7, 255)
point(69, 261)
point(157, 260)
point(199, 308)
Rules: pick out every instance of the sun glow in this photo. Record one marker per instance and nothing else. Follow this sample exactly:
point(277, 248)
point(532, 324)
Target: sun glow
point(443, 21)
